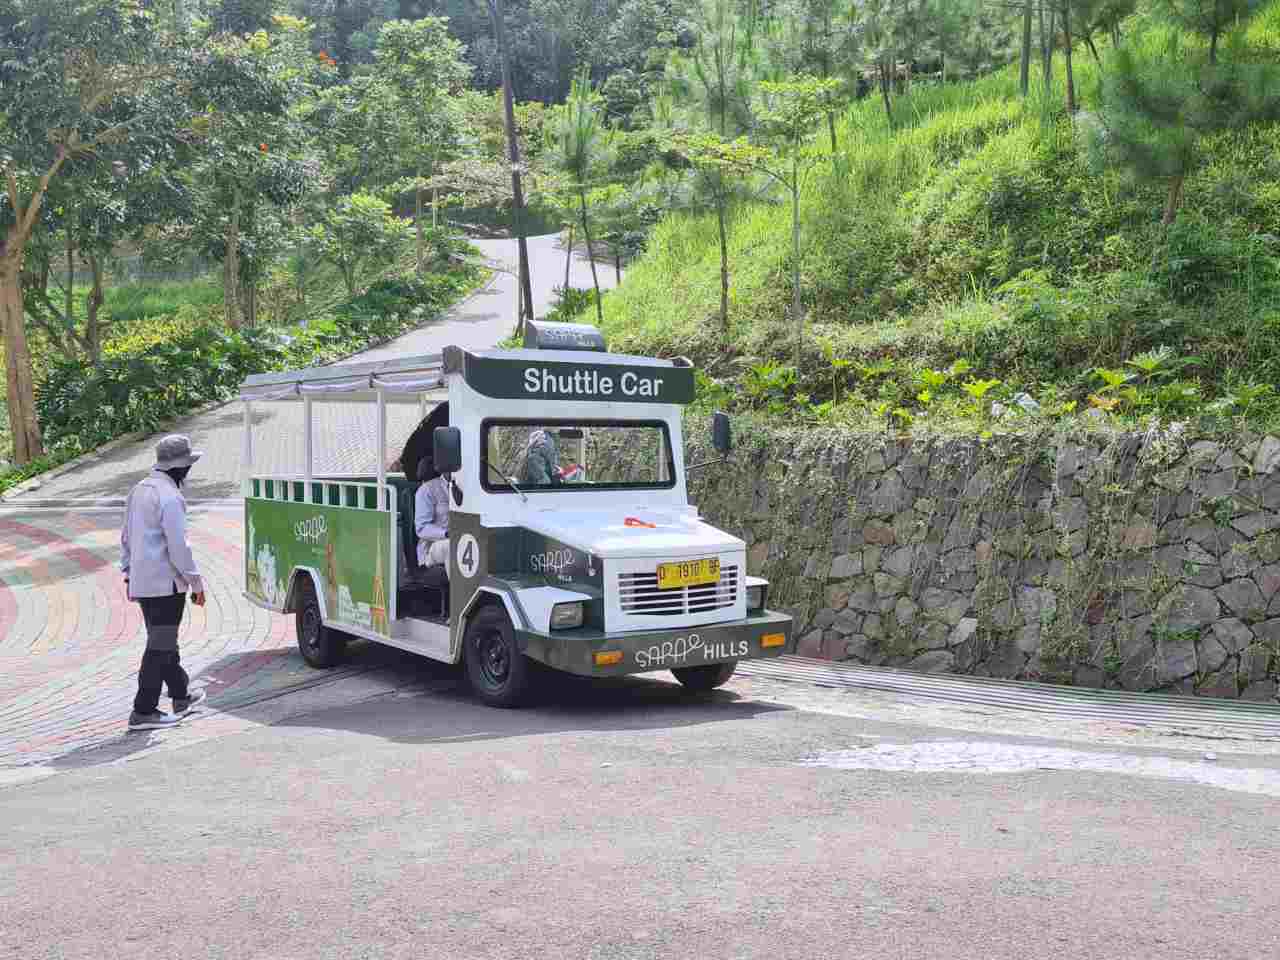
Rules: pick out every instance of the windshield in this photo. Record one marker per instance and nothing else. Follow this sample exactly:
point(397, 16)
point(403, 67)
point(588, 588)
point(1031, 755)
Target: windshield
point(558, 454)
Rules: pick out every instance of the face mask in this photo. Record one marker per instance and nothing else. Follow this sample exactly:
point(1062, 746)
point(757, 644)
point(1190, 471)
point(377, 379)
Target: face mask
point(179, 474)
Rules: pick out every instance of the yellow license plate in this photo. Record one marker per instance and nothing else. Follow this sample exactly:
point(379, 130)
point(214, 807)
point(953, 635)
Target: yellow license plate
point(688, 573)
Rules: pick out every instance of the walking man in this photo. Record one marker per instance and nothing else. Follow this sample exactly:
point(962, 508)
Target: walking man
point(159, 569)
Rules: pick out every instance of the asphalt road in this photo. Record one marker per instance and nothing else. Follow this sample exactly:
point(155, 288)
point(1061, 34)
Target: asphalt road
point(393, 817)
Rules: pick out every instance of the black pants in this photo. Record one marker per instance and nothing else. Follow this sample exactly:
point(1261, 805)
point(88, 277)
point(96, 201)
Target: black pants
point(161, 665)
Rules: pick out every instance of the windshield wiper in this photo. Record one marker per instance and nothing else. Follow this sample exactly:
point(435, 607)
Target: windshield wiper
point(510, 481)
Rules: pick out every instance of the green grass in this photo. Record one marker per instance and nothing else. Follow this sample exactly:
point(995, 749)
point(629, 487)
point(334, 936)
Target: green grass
point(138, 300)
point(976, 231)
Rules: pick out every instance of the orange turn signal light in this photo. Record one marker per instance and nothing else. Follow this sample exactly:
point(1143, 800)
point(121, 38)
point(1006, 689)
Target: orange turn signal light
point(608, 658)
point(773, 640)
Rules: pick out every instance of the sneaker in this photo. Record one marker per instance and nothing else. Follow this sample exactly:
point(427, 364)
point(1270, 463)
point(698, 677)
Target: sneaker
point(193, 698)
point(155, 720)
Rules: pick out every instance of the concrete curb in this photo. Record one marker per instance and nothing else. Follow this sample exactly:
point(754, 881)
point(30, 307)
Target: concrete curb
point(10, 496)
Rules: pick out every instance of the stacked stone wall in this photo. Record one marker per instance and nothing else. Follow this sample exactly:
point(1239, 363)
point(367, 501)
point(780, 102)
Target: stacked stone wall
point(1140, 561)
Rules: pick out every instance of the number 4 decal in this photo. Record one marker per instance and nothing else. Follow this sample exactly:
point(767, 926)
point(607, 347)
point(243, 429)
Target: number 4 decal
point(467, 556)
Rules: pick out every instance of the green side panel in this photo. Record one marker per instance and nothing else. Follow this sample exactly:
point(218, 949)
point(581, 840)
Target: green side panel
point(352, 550)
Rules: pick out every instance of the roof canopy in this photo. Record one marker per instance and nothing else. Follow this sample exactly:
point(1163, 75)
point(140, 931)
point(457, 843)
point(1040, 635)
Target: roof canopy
point(401, 378)
point(516, 374)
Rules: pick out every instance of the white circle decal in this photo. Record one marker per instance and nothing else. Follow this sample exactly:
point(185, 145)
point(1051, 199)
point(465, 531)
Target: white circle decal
point(467, 557)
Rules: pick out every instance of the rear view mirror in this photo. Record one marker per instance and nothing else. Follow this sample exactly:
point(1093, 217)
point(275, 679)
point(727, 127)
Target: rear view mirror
point(721, 433)
point(446, 449)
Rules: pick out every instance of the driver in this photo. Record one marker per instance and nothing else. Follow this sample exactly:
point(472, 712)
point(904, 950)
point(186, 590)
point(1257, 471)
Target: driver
point(542, 462)
point(431, 515)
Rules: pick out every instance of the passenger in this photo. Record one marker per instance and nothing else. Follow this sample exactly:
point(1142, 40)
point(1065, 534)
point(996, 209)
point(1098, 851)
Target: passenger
point(542, 460)
point(431, 515)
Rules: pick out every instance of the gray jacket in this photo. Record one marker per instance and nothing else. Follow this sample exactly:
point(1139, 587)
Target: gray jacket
point(154, 552)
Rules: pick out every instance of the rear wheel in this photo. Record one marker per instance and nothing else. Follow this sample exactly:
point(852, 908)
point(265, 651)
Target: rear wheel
point(498, 672)
point(705, 678)
point(319, 645)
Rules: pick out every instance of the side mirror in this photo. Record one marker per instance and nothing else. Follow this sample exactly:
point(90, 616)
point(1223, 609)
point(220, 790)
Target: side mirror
point(721, 434)
point(446, 449)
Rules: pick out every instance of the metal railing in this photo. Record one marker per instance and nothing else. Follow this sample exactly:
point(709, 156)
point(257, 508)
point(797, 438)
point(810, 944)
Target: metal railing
point(352, 494)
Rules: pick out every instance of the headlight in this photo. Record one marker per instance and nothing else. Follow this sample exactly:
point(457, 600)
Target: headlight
point(755, 597)
point(566, 616)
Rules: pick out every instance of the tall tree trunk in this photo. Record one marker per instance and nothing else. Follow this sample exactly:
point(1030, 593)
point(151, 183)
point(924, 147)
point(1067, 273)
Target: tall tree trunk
point(1066, 38)
point(417, 222)
point(93, 306)
point(796, 316)
point(591, 256)
point(1213, 46)
point(724, 258)
point(568, 257)
point(1024, 66)
point(513, 156)
point(249, 302)
point(1174, 200)
point(617, 267)
point(884, 91)
point(831, 129)
point(231, 265)
point(71, 276)
point(28, 444)
point(1046, 47)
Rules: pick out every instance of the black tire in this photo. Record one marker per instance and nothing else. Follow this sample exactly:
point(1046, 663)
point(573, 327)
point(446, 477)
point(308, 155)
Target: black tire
point(498, 672)
point(319, 645)
point(706, 678)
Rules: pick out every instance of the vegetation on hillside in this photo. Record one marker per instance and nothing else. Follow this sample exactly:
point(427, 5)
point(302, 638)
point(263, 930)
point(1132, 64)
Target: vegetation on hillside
point(989, 258)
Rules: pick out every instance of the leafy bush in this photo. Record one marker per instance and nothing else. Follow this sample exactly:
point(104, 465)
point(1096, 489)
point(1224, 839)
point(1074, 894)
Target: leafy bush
point(569, 304)
point(171, 365)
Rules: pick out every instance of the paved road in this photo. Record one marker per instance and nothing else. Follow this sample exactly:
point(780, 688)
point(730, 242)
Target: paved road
point(345, 442)
point(629, 820)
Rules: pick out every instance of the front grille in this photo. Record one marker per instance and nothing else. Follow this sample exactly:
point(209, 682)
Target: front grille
point(640, 595)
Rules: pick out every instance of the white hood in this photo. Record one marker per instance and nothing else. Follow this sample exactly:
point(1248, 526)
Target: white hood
point(637, 532)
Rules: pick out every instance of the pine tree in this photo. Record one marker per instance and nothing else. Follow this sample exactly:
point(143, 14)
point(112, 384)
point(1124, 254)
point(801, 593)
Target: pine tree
point(1157, 105)
point(1212, 19)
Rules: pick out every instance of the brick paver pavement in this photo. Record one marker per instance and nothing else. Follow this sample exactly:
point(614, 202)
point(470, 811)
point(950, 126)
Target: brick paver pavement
point(345, 439)
point(70, 641)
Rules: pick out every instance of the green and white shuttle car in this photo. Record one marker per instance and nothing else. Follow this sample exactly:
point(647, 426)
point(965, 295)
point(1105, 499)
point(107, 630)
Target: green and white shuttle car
point(590, 560)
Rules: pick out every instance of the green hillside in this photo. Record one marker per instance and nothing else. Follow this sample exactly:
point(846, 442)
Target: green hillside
point(977, 242)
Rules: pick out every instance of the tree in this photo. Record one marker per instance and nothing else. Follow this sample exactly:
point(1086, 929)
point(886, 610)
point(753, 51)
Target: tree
point(248, 155)
point(513, 158)
point(420, 79)
point(1156, 107)
point(76, 77)
point(787, 112)
point(1101, 16)
point(717, 77)
point(356, 233)
point(1210, 18)
point(582, 146)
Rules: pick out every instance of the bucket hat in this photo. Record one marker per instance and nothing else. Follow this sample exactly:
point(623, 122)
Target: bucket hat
point(175, 451)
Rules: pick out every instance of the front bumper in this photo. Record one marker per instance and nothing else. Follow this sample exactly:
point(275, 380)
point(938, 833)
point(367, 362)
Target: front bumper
point(574, 651)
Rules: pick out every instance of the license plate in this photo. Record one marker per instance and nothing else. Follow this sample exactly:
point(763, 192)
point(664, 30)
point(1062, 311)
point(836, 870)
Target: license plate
point(688, 573)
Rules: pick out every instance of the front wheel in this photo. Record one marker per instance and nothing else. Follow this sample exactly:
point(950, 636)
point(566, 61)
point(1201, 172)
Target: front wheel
point(705, 678)
point(319, 645)
point(498, 672)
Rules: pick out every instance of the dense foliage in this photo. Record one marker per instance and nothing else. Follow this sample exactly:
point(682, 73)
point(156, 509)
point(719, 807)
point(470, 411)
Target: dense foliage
point(992, 259)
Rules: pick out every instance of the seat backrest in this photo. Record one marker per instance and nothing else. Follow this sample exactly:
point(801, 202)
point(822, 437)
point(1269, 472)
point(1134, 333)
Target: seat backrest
point(408, 536)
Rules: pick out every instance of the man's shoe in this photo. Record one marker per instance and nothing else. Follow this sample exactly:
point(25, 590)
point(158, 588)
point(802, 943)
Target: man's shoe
point(193, 698)
point(155, 720)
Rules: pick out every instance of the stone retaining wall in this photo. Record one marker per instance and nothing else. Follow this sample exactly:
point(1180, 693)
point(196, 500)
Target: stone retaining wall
point(1149, 562)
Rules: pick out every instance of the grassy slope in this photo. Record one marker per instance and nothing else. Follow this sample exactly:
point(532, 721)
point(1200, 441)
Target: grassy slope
point(977, 231)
